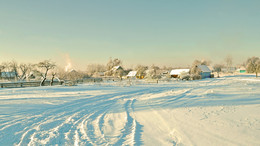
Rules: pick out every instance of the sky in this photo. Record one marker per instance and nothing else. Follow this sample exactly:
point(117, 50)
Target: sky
point(166, 32)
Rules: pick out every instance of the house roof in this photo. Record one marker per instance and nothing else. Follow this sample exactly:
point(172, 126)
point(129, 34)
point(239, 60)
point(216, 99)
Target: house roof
point(204, 68)
point(242, 68)
point(132, 74)
point(211, 68)
point(179, 71)
point(116, 68)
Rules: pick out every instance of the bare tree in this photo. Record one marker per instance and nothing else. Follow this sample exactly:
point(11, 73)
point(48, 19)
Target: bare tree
point(25, 70)
point(46, 65)
point(217, 68)
point(14, 68)
point(52, 78)
point(229, 62)
point(2, 67)
point(253, 65)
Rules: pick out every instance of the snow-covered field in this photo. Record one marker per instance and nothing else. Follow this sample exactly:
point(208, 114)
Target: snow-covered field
point(220, 111)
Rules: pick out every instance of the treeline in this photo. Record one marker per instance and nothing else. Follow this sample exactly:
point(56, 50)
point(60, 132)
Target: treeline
point(113, 68)
point(39, 71)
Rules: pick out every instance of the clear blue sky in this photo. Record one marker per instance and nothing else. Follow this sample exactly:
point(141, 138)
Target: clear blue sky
point(166, 32)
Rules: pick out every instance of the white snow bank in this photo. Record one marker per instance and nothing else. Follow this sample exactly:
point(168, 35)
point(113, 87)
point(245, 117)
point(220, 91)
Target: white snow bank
point(222, 111)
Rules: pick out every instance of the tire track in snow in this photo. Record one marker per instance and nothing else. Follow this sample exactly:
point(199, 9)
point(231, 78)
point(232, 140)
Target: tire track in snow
point(131, 133)
point(49, 118)
point(60, 123)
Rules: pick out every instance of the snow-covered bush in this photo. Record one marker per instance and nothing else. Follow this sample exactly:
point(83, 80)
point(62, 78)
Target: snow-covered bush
point(184, 76)
point(195, 77)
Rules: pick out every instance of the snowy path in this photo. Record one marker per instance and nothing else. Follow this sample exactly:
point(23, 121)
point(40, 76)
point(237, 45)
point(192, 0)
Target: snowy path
point(214, 111)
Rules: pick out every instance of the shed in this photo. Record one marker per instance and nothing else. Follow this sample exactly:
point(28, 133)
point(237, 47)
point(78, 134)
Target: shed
point(176, 72)
point(205, 72)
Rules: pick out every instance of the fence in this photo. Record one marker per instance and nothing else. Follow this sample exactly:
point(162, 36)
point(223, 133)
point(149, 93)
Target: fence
point(27, 84)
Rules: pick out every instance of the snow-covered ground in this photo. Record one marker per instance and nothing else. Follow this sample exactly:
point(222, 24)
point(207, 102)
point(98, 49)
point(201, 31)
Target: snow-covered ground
point(220, 111)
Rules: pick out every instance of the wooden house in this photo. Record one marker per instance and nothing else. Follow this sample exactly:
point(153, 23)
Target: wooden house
point(205, 72)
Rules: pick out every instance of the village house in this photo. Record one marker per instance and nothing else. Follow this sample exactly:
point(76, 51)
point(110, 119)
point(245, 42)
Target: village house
point(205, 72)
point(116, 68)
point(131, 74)
point(241, 70)
point(8, 75)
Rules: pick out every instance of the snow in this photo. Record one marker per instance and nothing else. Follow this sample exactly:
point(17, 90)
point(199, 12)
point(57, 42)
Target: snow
point(204, 68)
point(132, 74)
point(179, 71)
point(220, 111)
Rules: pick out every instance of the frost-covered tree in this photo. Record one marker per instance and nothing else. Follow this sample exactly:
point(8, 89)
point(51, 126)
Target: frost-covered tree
point(5, 66)
point(205, 62)
point(253, 65)
point(194, 71)
point(95, 68)
point(194, 67)
point(119, 73)
point(53, 74)
point(217, 68)
point(13, 65)
point(25, 70)
point(153, 72)
point(141, 70)
point(46, 65)
point(113, 62)
point(155, 69)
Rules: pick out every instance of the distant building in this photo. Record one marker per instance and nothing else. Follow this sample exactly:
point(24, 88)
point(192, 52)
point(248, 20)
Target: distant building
point(205, 72)
point(131, 74)
point(8, 75)
point(228, 70)
point(241, 70)
point(98, 74)
point(211, 68)
point(116, 68)
point(116, 71)
point(176, 72)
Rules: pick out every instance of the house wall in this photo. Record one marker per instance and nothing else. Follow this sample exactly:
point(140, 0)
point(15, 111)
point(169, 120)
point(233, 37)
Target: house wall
point(174, 76)
point(205, 75)
point(140, 77)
